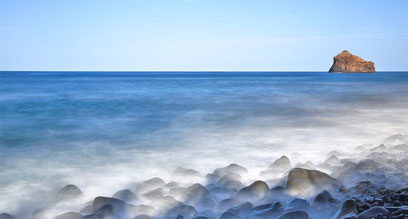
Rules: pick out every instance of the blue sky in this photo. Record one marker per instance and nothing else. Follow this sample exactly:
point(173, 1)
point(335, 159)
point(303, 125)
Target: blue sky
point(200, 34)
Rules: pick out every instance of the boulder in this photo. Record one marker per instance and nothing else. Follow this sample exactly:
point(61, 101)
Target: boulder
point(232, 168)
point(298, 204)
point(228, 215)
point(373, 212)
point(228, 203)
point(184, 172)
point(68, 193)
point(282, 163)
point(195, 192)
point(380, 148)
point(142, 216)
point(241, 209)
point(347, 207)
point(265, 212)
point(333, 160)
point(125, 195)
point(346, 62)
point(302, 180)
point(186, 211)
point(294, 215)
point(366, 165)
point(253, 192)
point(150, 184)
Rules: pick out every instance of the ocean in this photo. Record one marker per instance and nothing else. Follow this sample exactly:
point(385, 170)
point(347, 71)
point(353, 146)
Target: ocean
point(104, 130)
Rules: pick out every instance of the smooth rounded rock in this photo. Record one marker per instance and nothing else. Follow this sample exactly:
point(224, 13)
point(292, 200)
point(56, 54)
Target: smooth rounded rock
point(125, 195)
point(282, 163)
point(347, 207)
point(373, 212)
point(255, 191)
point(232, 168)
point(294, 215)
point(298, 204)
point(150, 184)
point(302, 180)
point(68, 193)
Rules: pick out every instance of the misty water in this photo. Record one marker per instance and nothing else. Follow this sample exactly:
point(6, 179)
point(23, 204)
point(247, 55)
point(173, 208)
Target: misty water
point(103, 131)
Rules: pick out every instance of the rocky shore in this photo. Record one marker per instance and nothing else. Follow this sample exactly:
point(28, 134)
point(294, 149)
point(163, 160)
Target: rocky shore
point(369, 182)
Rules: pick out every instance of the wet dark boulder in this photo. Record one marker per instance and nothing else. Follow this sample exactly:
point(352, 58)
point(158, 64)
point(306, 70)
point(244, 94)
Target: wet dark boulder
point(195, 192)
point(373, 212)
point(241, 209)
point(93, 216)
point(68, 193)
point(298, 204)
point(228, 215)
point(272, 211)
point(294, 215)
point(347, 207)
point(142, 216)
point(253, 192)
point(228, 203)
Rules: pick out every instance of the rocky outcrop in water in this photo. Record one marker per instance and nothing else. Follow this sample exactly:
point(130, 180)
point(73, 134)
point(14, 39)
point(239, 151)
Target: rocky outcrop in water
point(346, 62)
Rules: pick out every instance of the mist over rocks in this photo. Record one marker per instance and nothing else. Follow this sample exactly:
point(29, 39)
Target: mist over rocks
point(355, 186)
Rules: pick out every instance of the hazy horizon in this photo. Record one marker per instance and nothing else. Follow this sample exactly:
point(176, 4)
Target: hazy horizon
point(196, 35)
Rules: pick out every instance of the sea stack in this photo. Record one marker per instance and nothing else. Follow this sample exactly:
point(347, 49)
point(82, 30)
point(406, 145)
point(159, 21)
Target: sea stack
point(345, 62)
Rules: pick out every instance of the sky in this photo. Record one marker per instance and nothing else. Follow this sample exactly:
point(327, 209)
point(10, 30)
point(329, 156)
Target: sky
point(172, 35)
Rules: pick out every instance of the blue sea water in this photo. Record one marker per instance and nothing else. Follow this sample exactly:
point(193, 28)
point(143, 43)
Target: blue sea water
point(79, 127)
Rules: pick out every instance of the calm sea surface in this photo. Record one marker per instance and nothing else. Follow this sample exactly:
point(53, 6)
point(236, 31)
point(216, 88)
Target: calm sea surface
point(98, 129)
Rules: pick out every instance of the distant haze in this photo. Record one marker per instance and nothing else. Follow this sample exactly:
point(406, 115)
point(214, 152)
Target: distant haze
point(200, 34)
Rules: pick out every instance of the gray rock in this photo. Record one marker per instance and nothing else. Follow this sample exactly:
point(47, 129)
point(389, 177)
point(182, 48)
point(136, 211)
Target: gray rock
point(366, 165)
point(228, 215)
point(166, 202)
point(228, 203)
point(271, 212)
point(336, 153)
point(283, 163)
point(172, 184)
point(181, 171)
point(86, 210)
point(372, 212)
point(232, 168)
point(333, 160)
point(186, 211)
point(150, 184)
point(380, 148)
point(69, 215)
point(68, 193)
point(201, 217)
point(400, 147)
point(294, 215)
point(6, 216)
point(154, 193)
point(195, 192)
point(229, 177)
point(241, 209)
point(205, 202)
point(93, 216)
point(253, 192)
point(302, 180)
point(125, 195)
point(298, 204)
point(347, 207)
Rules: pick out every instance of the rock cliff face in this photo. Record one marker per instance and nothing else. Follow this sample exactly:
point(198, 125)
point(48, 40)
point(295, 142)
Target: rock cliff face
point(347, 62)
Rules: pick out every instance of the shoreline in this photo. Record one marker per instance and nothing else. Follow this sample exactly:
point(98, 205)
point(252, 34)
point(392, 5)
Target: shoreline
point(374, 185)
